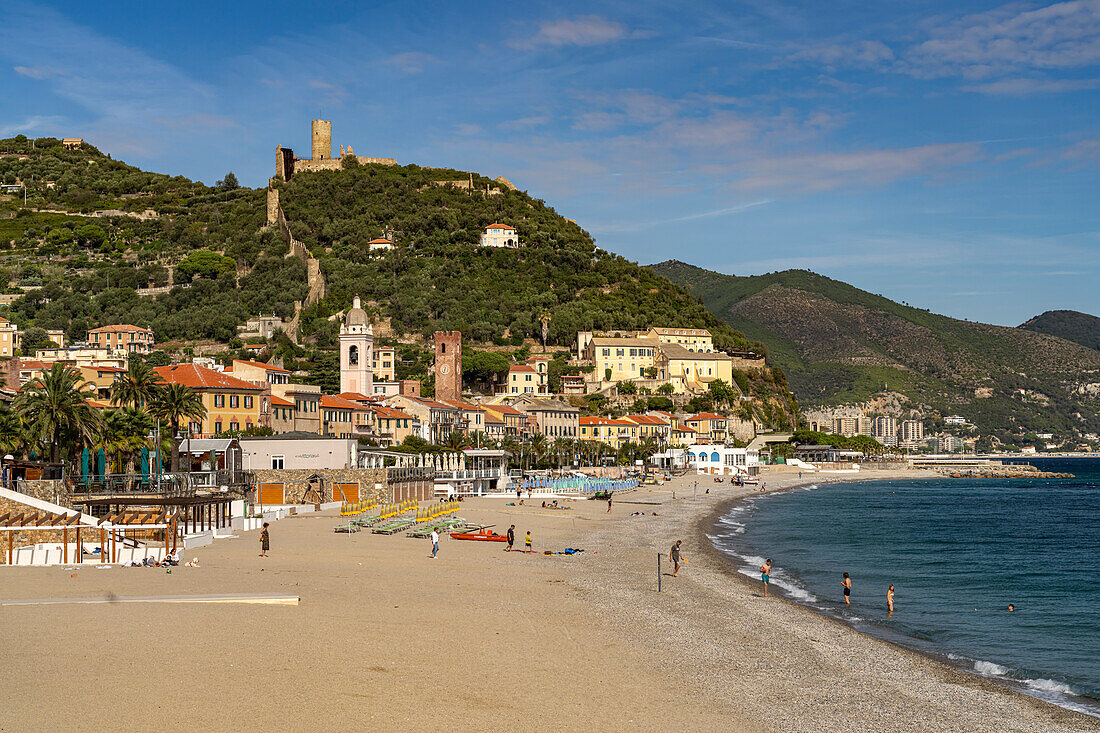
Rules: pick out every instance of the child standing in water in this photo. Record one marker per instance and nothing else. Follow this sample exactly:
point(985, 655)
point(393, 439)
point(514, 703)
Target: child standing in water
point(847, 583)
point(890, 598)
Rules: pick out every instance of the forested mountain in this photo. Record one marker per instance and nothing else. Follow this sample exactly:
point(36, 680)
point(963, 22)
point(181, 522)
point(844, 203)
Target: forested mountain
point(838, 344)
point(1073, 326)
point(97, 241)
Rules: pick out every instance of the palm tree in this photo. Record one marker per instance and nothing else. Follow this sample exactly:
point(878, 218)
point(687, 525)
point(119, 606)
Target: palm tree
point(456, 441)
point(55, 409)
point(174, 404)
point(139, 387)
point(124, 433)
point(12, 436)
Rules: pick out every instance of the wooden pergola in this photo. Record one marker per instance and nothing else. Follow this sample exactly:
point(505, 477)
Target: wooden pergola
point(111, 528)
point(193, 513)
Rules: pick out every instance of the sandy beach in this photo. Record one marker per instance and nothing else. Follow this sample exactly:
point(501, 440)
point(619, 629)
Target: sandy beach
point(386, 636)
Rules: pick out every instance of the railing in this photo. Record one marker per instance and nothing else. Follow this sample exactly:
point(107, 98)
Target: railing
point(483, 473)
point(167, 484)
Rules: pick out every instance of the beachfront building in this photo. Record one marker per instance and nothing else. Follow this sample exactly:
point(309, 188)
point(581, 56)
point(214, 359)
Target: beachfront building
point(910, 433)
point(613, 432)
point(652, 426)
point(709, 427)
point(437, 420)
point(392, 426)
point(500, 235)
point(552, 418)
point(720, 460)
point(826, 454)
point(344, 418)
point(505, 420)
point(231, 403)
point(122, 337)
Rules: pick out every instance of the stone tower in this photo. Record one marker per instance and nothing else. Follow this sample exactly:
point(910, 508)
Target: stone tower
point(356, 351)
point(448, 365)
point(322, 139)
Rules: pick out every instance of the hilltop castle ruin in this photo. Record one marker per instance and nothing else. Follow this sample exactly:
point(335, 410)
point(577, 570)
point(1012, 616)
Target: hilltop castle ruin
point(287, 163)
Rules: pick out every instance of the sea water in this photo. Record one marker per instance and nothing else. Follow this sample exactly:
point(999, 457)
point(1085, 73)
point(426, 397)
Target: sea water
point(958, 551)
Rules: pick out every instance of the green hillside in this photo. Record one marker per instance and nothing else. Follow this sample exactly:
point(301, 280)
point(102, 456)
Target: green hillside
point(838, 344)
point(95, 234)
point(1075, 326)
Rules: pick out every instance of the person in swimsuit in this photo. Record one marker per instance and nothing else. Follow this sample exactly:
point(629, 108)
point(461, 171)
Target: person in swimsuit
point(676, 558)
point(847, 583)
point(890, 598)
point(1011, 608)
point(264, 541)
point(766, 574)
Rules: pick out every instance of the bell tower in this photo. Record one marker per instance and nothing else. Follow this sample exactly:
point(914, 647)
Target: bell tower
point(356, 351)
point(448, 365)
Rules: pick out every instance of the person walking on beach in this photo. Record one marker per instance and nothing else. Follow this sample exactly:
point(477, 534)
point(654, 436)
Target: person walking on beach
point(890, 598)
point(847, 583)
point(766, 574)
point(511, 538)
point(435, 543)
point(527, 542)
point(609, 503)
point(676, 558)
point(265, 541)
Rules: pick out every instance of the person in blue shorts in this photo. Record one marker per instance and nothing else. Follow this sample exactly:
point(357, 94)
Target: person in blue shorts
point(766, 574)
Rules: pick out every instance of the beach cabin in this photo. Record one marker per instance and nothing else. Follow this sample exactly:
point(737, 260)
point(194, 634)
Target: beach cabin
point(721, 460)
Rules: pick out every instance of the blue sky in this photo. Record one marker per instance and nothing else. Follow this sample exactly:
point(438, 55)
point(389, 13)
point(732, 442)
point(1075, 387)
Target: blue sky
point(945, 154)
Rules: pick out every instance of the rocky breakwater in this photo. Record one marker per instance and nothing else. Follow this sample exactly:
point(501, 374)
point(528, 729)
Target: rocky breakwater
point(1023, 470)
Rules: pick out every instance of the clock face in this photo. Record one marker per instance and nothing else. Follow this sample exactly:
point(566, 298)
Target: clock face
point(444, 369)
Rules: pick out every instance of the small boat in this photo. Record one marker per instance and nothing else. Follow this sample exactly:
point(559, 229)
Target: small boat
point(482, 535)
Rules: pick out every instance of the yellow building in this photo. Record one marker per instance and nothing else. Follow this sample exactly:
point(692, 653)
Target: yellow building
point(624, 359)
point(651, 426)
point(10, 338)
point(696, 369)
point(614, 433)
point(384, 363)
point(231, 403)
point(693, 339)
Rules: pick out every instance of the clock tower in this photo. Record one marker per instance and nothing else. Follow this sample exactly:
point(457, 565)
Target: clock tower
point(448, 365)
point(356, 351)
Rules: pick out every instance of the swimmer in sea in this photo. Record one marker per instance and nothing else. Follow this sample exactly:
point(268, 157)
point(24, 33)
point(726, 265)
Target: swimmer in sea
point(847, 583)
point(890, 598)
point(1011, 608)
point(766, 574)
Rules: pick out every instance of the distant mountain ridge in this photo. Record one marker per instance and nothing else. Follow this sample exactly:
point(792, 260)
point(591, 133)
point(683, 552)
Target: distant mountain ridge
point(838, 344)
point(1075, 326)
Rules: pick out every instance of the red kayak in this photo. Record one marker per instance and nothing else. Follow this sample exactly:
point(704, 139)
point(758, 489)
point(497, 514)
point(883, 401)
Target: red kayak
point(484, 535)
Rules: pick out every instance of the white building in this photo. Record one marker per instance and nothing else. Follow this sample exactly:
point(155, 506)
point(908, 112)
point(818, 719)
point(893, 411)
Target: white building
point(720, 460)
point(292, 451)
point(500, 235)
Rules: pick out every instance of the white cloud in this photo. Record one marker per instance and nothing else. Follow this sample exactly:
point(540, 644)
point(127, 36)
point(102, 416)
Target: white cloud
point(869, 54)
point(1060, 36)
point(412, 62)
point(1026, 86)
point(584, 30)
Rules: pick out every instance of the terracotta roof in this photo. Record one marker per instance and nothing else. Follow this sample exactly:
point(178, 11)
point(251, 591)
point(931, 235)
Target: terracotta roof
point(261, 365)
point(380, 241)
point(280, 402)
point(521, 368)
point(120, 327)
point(705, 416)
point(354, 396)
point(500, 226)
point(433, 403)
point(339, 403)
point(199, 377)
point(682, 331)
point(492, 418)
point(390, 412)
point(598, 421)
point(32, 364)
point(680, 428)
point(646, 419)
point(469, 406)
point(117, 370)
point(504, 409)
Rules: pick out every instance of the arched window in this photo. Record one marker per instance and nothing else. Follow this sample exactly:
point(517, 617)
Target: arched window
point(353, 356)
point(715, 457)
